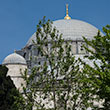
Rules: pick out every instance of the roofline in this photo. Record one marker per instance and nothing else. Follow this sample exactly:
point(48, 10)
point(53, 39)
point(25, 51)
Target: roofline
point(14, 63)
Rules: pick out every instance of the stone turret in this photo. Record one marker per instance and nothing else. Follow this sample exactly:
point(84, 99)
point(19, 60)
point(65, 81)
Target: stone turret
point(16, 64)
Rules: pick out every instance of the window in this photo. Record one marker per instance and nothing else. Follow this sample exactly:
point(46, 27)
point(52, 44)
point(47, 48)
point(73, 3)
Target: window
point(73, 47)
point(81, 49)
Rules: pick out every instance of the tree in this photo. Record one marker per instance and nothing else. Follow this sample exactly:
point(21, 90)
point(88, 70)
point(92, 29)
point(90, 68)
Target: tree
point(54, 83)
point(8, 90)
point(98, 76)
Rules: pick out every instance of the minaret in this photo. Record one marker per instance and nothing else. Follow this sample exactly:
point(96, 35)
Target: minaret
point(67, 16)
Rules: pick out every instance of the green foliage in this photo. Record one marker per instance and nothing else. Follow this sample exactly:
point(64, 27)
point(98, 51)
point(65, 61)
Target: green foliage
point(55, 82)
point(8, 91)
point(99, 75)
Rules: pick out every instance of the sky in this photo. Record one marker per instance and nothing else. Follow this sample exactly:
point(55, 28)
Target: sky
point(18, 18)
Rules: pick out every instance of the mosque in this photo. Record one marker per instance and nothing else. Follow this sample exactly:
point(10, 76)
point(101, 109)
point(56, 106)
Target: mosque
point(71, 29)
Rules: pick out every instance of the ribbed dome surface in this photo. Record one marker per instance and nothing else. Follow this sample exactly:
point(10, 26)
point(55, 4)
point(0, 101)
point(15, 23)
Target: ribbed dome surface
point(72, 30)
point(14, 59)
point(75, 29)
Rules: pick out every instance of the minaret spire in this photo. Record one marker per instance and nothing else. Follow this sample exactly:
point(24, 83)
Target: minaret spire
point(67, 16)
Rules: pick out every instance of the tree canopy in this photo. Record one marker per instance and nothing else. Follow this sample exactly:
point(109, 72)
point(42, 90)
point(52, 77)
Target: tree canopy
point(98, 76)
point(54, 83)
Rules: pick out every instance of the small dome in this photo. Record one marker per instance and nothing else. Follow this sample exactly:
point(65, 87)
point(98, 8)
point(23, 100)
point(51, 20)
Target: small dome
point(72, 30)
point(14, 59)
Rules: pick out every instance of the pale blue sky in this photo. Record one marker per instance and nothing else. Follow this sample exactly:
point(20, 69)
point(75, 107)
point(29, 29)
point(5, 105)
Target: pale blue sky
point(18, 18)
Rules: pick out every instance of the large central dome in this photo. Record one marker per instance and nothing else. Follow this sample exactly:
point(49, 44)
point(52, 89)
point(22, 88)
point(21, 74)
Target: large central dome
point(75, 29)
point(72, 30)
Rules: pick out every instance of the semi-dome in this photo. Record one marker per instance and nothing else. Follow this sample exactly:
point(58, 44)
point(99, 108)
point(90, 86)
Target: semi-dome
point(14, 59)
point(72, 30)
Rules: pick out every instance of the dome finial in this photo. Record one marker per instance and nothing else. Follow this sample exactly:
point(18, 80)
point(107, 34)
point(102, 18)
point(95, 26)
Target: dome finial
point(67, 16)
point(15, 51)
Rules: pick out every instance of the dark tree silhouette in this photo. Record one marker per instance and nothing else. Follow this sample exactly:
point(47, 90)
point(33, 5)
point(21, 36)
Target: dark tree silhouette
point(8, 90)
